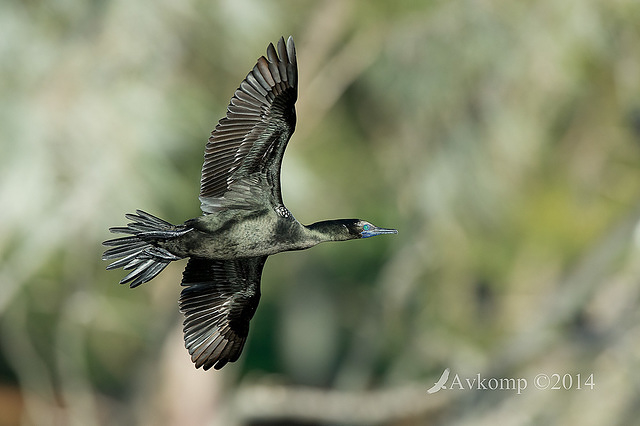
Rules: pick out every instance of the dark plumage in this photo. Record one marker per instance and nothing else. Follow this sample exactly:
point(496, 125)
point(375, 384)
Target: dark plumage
point(244, 217)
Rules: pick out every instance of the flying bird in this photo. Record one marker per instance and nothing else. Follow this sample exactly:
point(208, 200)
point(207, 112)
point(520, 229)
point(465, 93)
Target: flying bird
point(442, 381)
point(244, 219)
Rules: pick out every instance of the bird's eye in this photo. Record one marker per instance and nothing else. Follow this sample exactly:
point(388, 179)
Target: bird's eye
point(365, 227)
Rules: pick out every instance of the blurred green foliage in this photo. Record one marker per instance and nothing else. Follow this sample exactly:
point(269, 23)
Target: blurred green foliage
point(500, 138)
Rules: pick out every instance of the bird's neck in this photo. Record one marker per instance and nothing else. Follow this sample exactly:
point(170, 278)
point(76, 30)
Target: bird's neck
point(327, 230)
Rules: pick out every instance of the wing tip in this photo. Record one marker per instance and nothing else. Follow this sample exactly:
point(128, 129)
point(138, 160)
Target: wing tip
point(291, 49)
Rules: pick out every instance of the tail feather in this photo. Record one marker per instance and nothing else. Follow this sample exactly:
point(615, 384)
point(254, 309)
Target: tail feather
point(129, 256)
point(137, 253)
point(123, 247)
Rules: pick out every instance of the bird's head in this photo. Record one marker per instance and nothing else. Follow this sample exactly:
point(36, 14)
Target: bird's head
point(357, 228)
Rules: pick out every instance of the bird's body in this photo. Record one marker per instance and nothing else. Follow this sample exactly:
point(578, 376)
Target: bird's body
point(244, 219)
point(249, 234)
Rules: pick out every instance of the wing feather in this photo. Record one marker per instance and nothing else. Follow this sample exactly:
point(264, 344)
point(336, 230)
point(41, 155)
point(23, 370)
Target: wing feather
point(250, 140)
point(218, 301)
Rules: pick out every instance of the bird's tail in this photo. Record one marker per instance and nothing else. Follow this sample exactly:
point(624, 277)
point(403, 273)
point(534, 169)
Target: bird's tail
point(138, 252)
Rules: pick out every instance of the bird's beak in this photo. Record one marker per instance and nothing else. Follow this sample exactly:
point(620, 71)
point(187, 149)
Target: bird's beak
point(374, 230)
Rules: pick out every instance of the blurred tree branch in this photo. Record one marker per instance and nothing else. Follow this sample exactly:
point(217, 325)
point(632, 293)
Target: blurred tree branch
point(299, 404)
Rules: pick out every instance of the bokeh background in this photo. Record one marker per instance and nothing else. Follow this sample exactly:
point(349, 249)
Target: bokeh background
point(501, 138)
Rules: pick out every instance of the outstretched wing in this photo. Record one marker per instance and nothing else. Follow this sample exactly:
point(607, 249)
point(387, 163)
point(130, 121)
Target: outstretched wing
point(220, 298)
point(243, 156)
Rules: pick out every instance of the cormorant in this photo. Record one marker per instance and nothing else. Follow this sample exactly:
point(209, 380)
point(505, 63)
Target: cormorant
point(244, 218)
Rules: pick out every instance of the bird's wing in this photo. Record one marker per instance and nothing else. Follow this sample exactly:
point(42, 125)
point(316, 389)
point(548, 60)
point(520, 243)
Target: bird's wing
point(243, 156)
point(219, 299)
